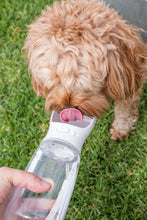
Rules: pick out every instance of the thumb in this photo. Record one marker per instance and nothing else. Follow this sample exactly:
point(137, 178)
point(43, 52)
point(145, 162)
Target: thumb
point(10, 178)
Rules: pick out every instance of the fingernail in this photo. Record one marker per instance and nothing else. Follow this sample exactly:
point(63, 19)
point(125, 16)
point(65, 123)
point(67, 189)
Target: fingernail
point(48, 181)
point(45, 184)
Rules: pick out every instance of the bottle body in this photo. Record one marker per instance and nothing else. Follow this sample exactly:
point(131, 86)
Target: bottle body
point(53, 160)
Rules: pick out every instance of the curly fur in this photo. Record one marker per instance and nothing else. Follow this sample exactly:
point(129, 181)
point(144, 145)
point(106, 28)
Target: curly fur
point(82, 54)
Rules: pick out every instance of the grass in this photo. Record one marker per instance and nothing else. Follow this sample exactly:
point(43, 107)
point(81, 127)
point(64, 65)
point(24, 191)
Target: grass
point(112, 180)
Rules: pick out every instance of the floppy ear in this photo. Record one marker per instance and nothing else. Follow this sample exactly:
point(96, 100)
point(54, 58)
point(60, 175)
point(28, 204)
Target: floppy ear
point(57, 99)
point(124, 67)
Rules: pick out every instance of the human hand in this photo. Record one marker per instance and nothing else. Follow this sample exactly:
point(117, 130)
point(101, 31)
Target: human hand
point(10, 178)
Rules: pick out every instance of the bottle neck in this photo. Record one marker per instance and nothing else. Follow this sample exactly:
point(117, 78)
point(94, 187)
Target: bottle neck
point(59, 150)
point(66, 134)
point(72, 133)
point(61, 142)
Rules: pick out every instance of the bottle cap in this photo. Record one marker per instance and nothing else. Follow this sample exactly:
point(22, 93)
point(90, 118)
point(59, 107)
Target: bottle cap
point(72, 132)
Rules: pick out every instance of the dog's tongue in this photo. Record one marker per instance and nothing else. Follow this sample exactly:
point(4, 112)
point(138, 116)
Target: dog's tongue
point(71, 114)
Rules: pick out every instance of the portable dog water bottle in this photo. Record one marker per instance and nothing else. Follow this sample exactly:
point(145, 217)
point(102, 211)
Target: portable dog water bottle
point(57, 159)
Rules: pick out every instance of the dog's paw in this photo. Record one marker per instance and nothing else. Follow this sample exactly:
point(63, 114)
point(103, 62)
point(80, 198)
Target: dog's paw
point(120, 134)
point(115, 135)
point(120, 129)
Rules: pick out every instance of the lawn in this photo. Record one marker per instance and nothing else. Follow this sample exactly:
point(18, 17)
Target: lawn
point(112, 179)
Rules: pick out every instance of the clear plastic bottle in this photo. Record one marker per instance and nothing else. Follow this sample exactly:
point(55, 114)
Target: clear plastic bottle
point(57, 158)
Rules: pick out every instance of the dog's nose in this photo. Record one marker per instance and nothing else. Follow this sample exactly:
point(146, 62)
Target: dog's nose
point(69, 106)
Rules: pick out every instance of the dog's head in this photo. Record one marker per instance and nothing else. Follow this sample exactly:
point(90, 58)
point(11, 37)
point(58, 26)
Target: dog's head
point(80, 54)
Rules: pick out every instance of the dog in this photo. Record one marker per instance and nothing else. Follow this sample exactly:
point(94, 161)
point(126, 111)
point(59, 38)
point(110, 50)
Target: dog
point(82, 54)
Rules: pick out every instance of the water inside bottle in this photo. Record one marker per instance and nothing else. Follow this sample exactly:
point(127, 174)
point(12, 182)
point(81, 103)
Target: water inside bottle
point(57, 162)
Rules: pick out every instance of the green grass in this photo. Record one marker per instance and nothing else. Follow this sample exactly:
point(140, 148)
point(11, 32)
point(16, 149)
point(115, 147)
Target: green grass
point(112, 180)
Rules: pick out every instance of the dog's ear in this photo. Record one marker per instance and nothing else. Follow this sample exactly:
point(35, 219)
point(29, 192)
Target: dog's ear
point(124, 68)
point(57, 99)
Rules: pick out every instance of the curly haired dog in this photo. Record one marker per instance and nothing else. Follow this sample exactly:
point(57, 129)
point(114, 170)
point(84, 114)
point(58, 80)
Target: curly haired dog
point(82, 54)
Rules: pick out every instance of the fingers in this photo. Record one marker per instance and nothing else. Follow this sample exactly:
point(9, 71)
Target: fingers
point(12, 177)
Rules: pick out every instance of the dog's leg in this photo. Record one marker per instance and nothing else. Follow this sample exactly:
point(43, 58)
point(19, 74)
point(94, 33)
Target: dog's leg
point(126, 114)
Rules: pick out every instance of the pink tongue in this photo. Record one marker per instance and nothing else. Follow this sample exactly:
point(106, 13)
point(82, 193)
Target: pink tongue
point(71, 114)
